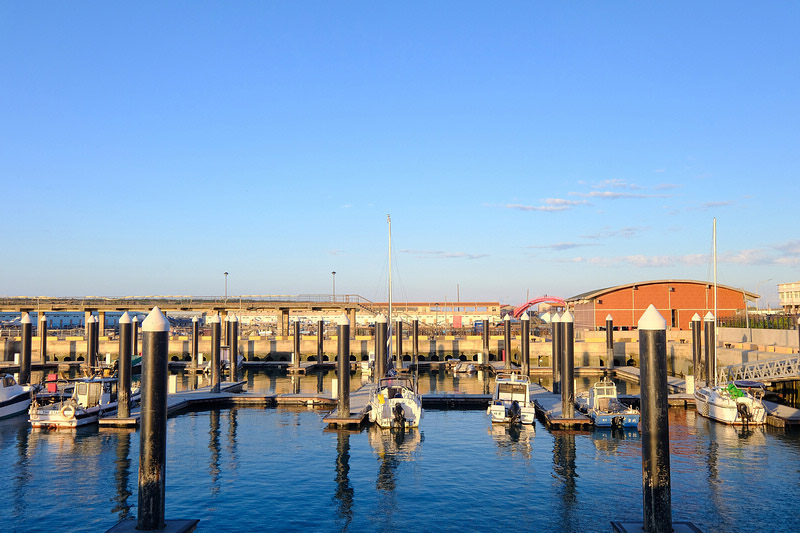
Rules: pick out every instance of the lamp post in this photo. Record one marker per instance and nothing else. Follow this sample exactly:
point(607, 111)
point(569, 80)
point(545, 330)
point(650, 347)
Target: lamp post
point(758, 291)
point(333, 276)
point(226, 287)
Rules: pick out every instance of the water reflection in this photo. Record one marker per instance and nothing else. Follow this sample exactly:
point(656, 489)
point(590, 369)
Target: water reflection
point(21, 475)
point(514, 439)
point(213, 446)
point(232, 446)
point(344, 492)
point(121, 475)
point(564, 459)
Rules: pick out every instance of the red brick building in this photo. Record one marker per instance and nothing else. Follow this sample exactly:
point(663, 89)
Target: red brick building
point(676, 300)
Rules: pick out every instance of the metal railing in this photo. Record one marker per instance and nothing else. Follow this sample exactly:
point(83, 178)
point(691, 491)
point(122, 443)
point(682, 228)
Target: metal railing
point(764, 370)
point(759, 322)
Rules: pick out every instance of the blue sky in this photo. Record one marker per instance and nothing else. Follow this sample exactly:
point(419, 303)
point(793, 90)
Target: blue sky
point(520, 147)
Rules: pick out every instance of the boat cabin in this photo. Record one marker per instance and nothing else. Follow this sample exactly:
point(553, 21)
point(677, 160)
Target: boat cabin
point(511, 387)
point(8, 381)
point(100, 392)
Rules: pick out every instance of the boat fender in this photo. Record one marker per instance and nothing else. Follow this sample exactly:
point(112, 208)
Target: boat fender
point(68, 411)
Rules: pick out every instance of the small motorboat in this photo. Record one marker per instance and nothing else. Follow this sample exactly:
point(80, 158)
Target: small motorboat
point(14, 398)
point(511, 402)
point(605, 409)
point(91, 400)
point(737, 403)
point(464, 367)
point(395, 404)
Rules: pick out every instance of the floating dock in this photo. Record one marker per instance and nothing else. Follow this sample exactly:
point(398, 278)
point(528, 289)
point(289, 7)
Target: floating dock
point(548, 407)
point(359, 402)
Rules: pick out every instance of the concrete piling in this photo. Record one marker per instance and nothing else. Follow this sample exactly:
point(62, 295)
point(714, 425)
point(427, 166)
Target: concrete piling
point(486, 338)
point(216, 343)
point(343, 364)
point(135, 335)
point(555, 325)
point(697, 345)
point(656, 484)
point(609, 342)
point(708, 370)
point(153, 440)
point(320, 341)
point(415, 342)
point(399, 343)
point(525, 345)
point(507, 341)
point(233, 342)
point(42, 331)
point(195, 341)
point(296, 345)
point(567, 365)
point(381, 329)
point(124, 366)
point(25, 361)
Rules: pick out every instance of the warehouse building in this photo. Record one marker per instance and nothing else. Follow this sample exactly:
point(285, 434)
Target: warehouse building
point(676, 300)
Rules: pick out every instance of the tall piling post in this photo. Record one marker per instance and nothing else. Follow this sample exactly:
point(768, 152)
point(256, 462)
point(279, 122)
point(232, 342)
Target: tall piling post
point(233, 342)
point(555, 325)
point(216, 343)
point(296, 344)
point(42, 331)
point(96, 341)
point(415, 342)
point(27, 339)
point(697, 345)
point(486, 340)
point(91, 353)
point(507, 341)
point(320, 341)
point(153, 440)
point(124, 367)
point(343, 364)
point(399, 343)
point(381, 329)
point(609, 342)
point(135, 335)
point(525, 344)
point(708, 334)
point(195, 341)
point(567, 365)
point(656, 484)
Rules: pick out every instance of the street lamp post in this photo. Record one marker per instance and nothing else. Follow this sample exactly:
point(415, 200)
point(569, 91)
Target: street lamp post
point(758, 291)
point(333, 276)
point(226, 287)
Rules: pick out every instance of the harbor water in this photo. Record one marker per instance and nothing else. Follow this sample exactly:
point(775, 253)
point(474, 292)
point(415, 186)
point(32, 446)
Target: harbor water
point(280, 469)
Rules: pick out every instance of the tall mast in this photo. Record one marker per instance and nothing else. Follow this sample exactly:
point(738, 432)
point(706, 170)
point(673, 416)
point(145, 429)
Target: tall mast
point(714, 241)
point(389, 221)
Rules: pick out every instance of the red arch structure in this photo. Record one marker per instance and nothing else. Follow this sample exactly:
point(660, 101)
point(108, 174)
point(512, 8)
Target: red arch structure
point(549, 299)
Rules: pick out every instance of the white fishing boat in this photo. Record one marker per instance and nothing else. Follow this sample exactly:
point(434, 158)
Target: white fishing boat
point(91, 400)
point(511, 402)
point(14, 398)
point(395, 404)
point(602, 405)
point(729, 403)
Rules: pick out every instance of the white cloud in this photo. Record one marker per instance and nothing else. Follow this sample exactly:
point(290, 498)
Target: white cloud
point(625, 233)
point(559, 246)
point(610, 195)
point(522, 207)
point(440, 254)
point(615, 184)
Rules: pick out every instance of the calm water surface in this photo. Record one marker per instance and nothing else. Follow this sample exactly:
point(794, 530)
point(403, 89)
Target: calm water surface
point(246, 469)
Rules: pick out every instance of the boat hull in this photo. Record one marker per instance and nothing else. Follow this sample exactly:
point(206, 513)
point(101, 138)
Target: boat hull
point(498, 413)
point(56, 417)
point(383, 414)
point(15, 405)
point(609, 420)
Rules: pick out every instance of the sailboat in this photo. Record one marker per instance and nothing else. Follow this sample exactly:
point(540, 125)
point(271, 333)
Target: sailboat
point(395, 402)
point(736, 403)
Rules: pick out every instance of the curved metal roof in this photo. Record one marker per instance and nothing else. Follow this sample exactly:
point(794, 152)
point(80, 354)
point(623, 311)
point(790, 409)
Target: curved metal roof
point(599, 292)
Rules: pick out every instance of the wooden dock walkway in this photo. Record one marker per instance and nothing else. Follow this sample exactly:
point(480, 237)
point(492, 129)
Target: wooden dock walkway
point(359, 401)
point(548, 407)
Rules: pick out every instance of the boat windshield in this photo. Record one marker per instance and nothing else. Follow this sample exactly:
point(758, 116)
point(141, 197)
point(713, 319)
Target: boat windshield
point(395, 382)
point(511, 391)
